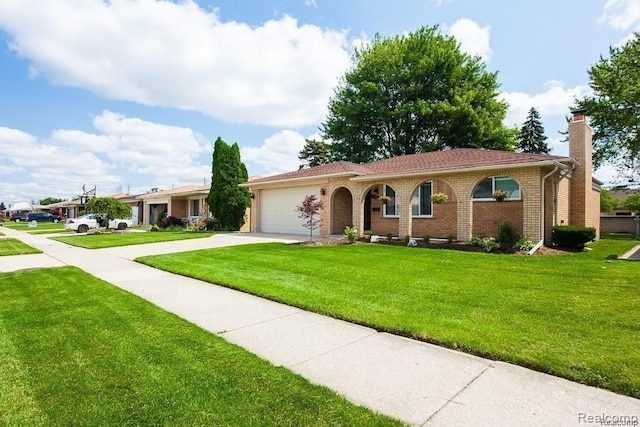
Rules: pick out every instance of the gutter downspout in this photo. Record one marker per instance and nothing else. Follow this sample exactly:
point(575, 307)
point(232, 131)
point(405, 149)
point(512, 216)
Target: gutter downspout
point(541, 242)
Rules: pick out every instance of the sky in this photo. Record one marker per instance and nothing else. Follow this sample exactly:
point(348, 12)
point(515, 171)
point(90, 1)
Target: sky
point(127, 95)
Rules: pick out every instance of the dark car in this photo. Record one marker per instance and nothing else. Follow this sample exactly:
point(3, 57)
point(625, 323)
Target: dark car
point(42, 217)
point(18, 216)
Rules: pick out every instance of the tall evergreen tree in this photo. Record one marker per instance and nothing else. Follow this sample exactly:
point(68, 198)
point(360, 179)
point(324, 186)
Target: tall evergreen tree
point(227, 200)
point(314, 153)
point(531, 138)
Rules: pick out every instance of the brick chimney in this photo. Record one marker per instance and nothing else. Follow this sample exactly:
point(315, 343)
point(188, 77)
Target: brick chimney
point(581, 202)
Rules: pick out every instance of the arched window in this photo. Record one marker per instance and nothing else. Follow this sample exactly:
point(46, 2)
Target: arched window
point(392, 207)
point(421, 205)
point(485, 189)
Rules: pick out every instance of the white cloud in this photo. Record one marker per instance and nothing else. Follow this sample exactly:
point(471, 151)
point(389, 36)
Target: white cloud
point(59, 165)
point(473, 38)
point(278, 154)
point(178, 55)
point(554, 101)
point(311, 3)
point(621, 14)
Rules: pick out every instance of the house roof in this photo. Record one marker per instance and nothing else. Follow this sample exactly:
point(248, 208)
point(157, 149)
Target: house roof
point(178, 191)
point(330, 169)
point(437, 161)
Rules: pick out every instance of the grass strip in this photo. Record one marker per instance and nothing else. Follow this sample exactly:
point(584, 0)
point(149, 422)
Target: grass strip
point(99, 241)
point(10, 246)
point(572, 315)
point(75, 350)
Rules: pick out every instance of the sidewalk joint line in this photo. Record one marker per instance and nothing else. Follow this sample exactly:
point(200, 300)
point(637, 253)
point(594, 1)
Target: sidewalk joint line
point(456, 395)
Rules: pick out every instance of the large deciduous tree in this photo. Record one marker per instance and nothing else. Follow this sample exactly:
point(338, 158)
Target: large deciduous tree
point(531, 138)
point(314, 153)
point(614, 108)
point(227, 200)
point(607, 201)
point(415, 93)
point(50, 201)
point(109, 207)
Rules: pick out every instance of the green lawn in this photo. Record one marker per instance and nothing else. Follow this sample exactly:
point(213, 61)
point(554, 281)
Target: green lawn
point(16, 247)
point(99, 241)
point(77, 351)
point(24, 226)
point(572, 315)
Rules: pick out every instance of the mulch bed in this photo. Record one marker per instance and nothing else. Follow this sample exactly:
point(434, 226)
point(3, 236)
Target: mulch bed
point(457, 246)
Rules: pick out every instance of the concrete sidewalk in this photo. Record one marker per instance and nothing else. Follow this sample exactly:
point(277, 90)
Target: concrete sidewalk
point(418, 383)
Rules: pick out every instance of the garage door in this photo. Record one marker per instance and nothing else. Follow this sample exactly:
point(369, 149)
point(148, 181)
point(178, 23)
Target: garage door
point(277, 209)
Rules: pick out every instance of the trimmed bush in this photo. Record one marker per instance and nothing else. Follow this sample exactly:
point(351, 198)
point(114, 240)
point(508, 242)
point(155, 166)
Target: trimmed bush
point(566, 236)
point(170, 221)
point(507, 234)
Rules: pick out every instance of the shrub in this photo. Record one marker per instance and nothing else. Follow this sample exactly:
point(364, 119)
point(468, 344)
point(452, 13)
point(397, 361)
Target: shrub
point(451, 238)
point(406, 239)
point(507, 234)
point(211, 224)
point(487, 244)
point(350, 233)
point(389, 237)
point(170, 221)
point(426, 238)
point(567, 236)
point(524, 244)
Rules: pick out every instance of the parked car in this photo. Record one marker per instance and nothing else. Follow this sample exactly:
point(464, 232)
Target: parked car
point(42, 217)
point(18, 216)
point(86, 222)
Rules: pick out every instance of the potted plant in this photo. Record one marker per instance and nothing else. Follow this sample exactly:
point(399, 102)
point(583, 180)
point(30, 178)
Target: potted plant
point(439, 198)
point(384, 199)
point(500, 195)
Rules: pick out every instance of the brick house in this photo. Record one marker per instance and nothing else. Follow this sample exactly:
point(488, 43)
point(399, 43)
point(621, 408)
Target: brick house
point(544, 190)
point(188, 202)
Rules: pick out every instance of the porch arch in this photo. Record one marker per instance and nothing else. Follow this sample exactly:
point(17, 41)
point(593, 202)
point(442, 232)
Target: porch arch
point(341, 210)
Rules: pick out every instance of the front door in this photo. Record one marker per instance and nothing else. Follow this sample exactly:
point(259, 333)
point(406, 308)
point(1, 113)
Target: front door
point(367, 212)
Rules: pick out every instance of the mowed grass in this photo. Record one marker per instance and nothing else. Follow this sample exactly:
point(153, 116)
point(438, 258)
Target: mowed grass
point(99, 241)
point(11, 246)
point(573, 315)
point(76, 351)
point(24, 226)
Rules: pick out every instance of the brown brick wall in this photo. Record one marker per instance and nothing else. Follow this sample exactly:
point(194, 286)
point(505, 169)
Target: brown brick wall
point(487, 215)
point(341, 210)
point(178, 208)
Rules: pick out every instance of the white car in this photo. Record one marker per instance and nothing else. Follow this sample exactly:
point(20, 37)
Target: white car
point(85, 222)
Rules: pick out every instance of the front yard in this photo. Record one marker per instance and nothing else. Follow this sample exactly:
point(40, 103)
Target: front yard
point(109, 240)
point(10, 246)
point(572, 315)
point(75, 350)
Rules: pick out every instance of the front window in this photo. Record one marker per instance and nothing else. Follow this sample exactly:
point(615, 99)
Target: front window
point(391, 208)
point(485, 189)
point(194, 207)
point(421, 204)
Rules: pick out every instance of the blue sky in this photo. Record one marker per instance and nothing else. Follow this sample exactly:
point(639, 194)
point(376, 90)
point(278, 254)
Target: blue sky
point(130, 95)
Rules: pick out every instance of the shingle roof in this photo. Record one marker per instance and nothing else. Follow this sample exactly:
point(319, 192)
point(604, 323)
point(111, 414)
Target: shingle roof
point(185, 189)
point(334, 168)
point(461, 158)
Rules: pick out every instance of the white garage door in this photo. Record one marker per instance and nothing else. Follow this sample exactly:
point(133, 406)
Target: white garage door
point(277, 209)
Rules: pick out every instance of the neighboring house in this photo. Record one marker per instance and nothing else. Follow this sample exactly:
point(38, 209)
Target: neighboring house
point(137, 210)
point(619, 220)
point(544, 191)
point(188, 202)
